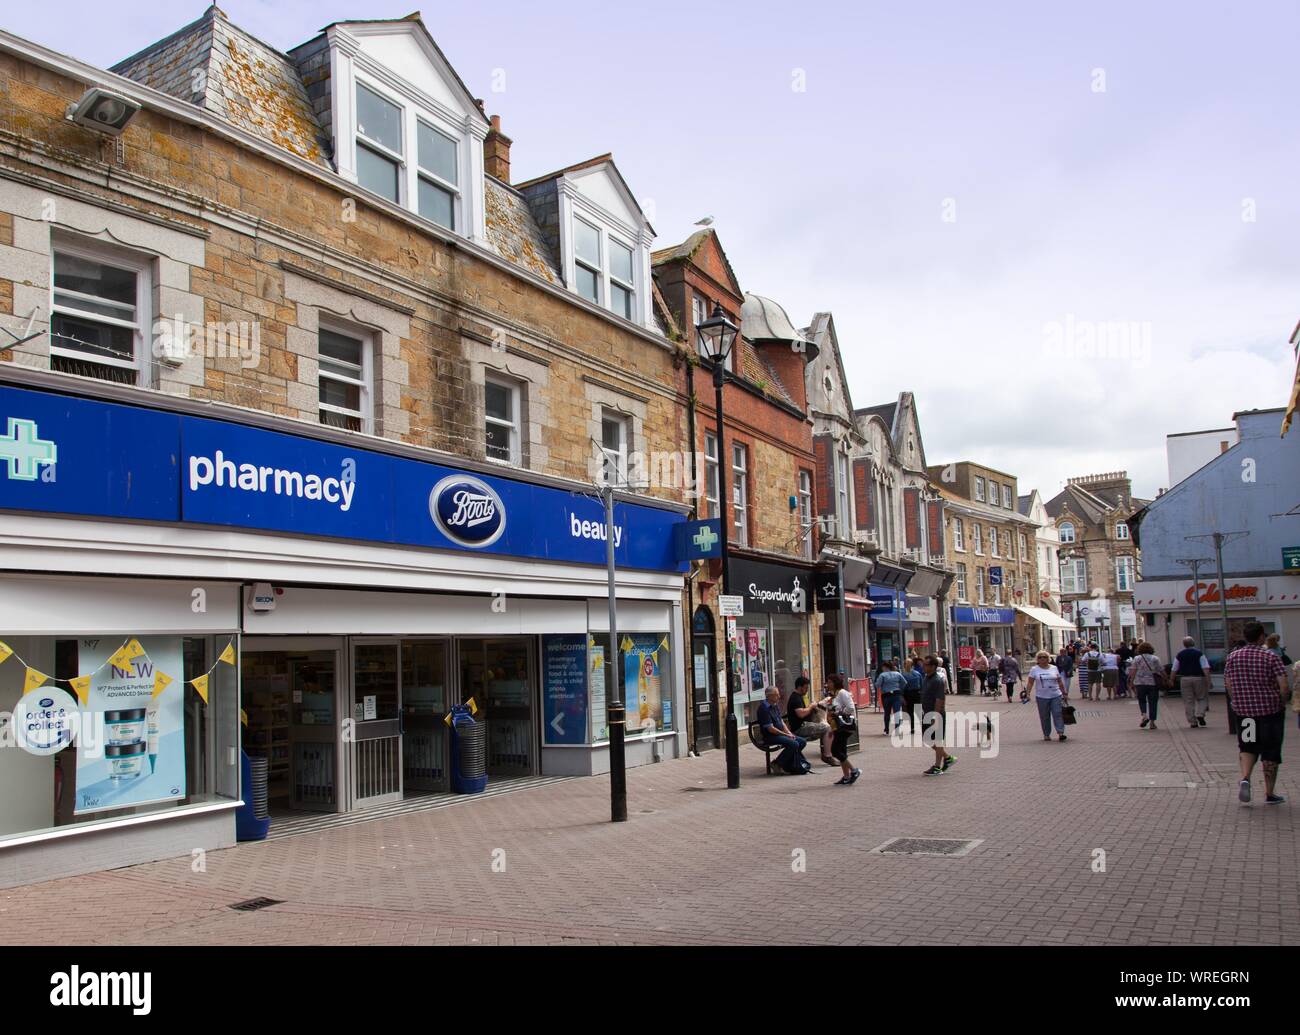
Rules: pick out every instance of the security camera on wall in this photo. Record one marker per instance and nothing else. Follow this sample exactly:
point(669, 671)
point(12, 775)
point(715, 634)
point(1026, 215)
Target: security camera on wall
point(103, 111)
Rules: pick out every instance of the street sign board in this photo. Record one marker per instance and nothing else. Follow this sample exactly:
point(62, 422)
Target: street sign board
point(731, 606)
point(995, 576)
point(1291, 558)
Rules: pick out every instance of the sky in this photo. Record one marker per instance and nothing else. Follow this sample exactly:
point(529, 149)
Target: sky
point(1070, 230)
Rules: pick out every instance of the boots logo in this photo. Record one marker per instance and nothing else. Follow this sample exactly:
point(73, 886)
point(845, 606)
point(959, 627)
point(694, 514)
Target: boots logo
point(467, 511)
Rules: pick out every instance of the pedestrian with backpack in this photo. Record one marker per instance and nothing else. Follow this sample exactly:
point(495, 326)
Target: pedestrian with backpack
point(1090, 674)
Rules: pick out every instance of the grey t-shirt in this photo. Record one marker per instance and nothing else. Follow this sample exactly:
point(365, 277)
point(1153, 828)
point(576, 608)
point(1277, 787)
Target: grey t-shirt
point(932, 691)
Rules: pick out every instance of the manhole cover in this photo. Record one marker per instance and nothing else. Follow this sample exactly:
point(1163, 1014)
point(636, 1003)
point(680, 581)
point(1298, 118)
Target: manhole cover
point(950, 846)
point(254, 904)
point(1154, 780)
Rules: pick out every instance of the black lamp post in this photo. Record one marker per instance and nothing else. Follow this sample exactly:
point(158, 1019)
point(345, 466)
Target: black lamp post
point(716, 336)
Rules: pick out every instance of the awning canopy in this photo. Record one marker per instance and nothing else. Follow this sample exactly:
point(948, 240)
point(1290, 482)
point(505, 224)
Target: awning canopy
point(857, 600)
point(1045, 617)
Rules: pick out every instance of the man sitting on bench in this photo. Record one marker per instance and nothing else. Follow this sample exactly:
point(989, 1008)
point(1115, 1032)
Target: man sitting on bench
point(775, 731)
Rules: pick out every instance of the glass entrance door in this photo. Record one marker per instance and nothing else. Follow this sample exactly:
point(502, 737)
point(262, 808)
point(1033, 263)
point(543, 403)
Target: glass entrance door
point(498, 675)
point(424, 707)
point(375, 753)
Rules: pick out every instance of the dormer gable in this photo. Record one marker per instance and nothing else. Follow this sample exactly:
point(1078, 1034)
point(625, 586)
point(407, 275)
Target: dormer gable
point(402, 123)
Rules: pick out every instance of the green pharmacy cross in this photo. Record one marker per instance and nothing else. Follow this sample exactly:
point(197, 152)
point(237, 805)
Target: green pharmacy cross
point(24, 451)
point(705, 538)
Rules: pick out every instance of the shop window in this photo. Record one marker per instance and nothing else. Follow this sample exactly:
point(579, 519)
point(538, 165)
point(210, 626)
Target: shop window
point(501, 420)
point(127, 750)
point(99, 314)
point(344, 379)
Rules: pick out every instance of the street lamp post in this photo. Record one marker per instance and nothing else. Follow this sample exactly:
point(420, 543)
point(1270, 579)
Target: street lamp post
point(716, 336)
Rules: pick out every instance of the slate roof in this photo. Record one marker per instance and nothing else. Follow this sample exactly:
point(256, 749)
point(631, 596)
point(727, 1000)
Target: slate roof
point(685, 252)
point(239, 78)
point(888, 412)
point(257, 88)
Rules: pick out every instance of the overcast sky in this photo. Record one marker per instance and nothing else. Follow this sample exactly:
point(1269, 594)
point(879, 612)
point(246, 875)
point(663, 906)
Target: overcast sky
point(974, 190)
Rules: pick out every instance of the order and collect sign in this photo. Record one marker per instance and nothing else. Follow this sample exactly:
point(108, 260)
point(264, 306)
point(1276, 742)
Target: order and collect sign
point(136, 753)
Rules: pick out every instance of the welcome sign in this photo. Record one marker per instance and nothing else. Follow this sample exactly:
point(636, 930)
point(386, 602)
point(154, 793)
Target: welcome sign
point(65, 455)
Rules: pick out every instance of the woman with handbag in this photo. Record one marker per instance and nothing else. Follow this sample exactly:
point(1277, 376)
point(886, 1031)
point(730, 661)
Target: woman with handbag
point(1050, 694)
point(1146, 673)
point(844, 719)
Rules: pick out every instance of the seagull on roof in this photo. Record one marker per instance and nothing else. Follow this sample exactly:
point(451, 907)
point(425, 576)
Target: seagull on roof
point(706, 221)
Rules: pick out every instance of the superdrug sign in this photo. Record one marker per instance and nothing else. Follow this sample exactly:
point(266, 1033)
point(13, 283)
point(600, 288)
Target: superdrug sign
point(770, 588)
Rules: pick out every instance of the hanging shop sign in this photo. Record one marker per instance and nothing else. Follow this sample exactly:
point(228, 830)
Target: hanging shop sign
point(827, 589)
point(698, 540)
point(771, 588)
point(65, 455)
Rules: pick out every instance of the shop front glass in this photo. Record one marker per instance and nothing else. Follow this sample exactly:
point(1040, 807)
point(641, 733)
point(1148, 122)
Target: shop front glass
point(95, 729)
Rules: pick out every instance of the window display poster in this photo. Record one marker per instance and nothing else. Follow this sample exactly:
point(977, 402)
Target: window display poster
point(564, 688)
point(756, 662)
point(136, 754)
point(643, 679)
point(596, 680)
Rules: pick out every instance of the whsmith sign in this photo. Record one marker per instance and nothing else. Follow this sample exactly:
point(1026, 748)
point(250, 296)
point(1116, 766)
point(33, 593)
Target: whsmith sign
point(65, 455)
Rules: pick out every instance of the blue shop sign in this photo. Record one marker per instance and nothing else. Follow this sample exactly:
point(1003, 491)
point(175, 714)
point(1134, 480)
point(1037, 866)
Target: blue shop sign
point(699, 540)
point(983, 616)
point(64, 455)
point(882, 600)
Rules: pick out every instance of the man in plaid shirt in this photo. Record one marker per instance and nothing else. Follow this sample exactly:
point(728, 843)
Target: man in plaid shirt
point(1257, 688)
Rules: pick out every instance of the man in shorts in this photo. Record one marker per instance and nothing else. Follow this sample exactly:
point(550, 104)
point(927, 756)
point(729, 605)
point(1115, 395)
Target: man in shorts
point(933, 697)
point(1256, 679)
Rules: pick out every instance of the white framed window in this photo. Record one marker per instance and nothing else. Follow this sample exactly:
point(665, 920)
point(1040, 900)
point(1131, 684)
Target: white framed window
point(1066, 531)
point(806, 512)
point(979, 585)
point(961, 580)
point(586, 260)
point(438, 179)
point(1074, 575)
point(380, 145)
point(711, 487)
point(740, 494)
point(1006, 496)
point(344, 379)
point(843, 519)
point(1121, 530)
point(99, 313)
point(997, 594)
point(958, 535)
point(622, 279)
point(501, 420)
point(1124, 574)
point(615, 431)
point(977, 539)
point(1024, 546)
point(993, 542)
point(979, 489)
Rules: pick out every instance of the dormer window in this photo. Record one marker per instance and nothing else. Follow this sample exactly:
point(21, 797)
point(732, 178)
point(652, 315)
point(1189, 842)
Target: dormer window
point(604, 269)
point(587, 264)
point(622, 294)
point(439, 176)
point(379, 144)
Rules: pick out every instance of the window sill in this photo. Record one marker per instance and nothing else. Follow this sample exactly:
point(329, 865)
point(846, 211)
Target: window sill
point(75, 829)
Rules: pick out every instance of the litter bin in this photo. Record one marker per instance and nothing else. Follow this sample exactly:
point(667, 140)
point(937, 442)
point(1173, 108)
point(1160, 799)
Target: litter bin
point(252, 818)
point(468, 752)
point(963, 680)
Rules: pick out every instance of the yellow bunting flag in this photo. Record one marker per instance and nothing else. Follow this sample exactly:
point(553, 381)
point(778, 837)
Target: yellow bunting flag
point(447, 719)
point(627, 644)
point(201, 687)
point(33, 680)
point(125, 654)
point(243, 716)
point(161, 681)
point(82, 686)
point(5, 651)
point(228, 655)
point(473, 708)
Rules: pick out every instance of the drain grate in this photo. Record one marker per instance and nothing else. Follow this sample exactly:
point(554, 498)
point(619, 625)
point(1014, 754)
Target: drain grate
point(949, 846)
point(254, 904)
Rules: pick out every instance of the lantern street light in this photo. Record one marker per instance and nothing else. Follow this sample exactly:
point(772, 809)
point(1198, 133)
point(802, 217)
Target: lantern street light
point(716, 337)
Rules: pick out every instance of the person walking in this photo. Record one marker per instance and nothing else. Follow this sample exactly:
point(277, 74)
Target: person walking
point(839, 707)
point(980, 666)
point(1192, 670)
point(915, 676)
point(1090, 674)
point(1109, 673)
point(933, 727)
point(995, 672)
point(1125, 655)
point(1050, 694)
point(890, 687)
point(1065, 666)
point(1010, 673)
point(1257, 680)
point(1147, 674)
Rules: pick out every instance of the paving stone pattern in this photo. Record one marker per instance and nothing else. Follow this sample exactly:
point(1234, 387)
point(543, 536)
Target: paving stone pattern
point(1184, 864)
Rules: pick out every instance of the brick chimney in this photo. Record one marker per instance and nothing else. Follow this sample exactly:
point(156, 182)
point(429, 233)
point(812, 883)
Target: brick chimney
point(496, 152)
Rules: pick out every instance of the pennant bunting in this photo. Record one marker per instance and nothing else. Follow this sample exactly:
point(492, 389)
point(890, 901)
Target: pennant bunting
point(82, 686)
point(161, 681)
point(33, 680)
point(5, 651)
point(228, 655)
point(243, 716)
point(200, 685)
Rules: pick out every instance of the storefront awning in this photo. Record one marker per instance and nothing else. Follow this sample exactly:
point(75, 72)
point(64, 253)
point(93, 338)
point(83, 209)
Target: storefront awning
point(926, 583)
point(1045, 617)
point(857, 600)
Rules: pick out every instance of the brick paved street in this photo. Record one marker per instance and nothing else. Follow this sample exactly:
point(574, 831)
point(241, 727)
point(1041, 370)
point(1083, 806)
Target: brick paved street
point(1185, 864)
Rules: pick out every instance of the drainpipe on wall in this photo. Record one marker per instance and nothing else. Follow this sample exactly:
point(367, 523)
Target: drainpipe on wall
point(692, 710)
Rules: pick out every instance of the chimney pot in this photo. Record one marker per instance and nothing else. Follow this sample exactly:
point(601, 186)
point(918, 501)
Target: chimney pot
point(496, 151)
